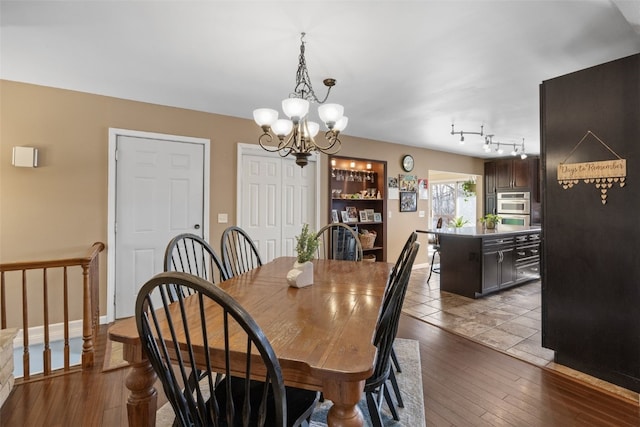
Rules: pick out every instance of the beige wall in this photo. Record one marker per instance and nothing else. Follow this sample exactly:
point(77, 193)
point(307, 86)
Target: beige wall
point(60, 208)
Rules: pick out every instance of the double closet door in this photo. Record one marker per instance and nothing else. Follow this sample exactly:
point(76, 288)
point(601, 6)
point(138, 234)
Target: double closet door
point(275, 198)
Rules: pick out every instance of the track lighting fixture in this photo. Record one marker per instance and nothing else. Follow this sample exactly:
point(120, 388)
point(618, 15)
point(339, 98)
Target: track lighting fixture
point(491, 145)
point(461, 133)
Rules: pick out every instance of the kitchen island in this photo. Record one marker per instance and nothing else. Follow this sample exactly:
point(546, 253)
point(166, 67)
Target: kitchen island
point(475, 261)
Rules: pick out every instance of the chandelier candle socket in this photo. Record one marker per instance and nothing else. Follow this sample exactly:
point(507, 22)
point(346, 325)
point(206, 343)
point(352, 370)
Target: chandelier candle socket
point(296, 135)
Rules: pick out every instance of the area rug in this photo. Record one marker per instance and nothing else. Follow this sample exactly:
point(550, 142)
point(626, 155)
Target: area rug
point(410, 383)
point(409, 380)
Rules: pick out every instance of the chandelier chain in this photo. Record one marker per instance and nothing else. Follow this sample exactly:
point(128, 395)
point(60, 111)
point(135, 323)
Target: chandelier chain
point(304, 88)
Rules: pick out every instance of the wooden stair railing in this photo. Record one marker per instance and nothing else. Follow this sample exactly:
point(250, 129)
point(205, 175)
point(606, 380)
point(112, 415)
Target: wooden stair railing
point(90, 304)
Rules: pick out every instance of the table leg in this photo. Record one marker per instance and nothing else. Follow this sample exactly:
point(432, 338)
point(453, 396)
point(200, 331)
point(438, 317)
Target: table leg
point(143, 397)
point(345, 397)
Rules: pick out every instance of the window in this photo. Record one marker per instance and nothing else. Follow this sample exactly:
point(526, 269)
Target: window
point(449, 202)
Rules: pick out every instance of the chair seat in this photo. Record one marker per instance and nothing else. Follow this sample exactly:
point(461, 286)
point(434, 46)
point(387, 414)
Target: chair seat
point(300, 402)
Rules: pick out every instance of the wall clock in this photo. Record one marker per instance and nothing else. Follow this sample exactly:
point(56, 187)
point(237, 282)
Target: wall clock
point(407, 163)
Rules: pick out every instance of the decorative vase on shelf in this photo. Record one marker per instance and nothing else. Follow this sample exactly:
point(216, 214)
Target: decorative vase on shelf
point(490, 225)
point(301, 275)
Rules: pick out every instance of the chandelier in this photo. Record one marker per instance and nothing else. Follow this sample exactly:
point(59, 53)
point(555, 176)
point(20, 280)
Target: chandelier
point(296, 135)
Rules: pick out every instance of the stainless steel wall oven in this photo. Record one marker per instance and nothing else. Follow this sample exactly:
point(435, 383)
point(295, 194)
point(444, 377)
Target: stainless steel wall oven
point(514, 208)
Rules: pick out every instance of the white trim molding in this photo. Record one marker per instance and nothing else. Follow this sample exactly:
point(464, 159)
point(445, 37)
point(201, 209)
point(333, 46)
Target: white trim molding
point(111, 197)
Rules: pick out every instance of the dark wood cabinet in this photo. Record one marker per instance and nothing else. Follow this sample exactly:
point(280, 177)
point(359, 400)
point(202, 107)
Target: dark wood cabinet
point(527, 257)
point(498, 264)
point(513, 174)
point(474, 264)
point(490, 194)
point(491, 204)
point(359, 184)
point(490, 178)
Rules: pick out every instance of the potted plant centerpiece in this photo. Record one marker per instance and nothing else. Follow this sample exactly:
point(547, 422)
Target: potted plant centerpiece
point(490, 221)
point(306, 246)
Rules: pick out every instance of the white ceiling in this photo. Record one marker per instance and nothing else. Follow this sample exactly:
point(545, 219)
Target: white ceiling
point(406, 70)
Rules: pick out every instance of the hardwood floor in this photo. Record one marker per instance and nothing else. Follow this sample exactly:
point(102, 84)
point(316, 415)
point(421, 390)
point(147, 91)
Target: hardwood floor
point(465, 384)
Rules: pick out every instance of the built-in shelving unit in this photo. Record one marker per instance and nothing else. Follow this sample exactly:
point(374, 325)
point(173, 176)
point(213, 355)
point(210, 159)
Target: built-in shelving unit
point(357, 198)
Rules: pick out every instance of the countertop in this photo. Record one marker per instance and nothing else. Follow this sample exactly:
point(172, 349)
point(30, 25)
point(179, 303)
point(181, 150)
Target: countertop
point(481, 231)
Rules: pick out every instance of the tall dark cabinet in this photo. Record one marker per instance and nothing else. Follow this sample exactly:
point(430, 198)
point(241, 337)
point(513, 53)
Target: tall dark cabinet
point(490, 197)
point(512, 174)
point(591, 250)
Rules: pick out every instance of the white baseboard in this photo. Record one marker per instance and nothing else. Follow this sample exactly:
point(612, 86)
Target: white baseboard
point(56, 332)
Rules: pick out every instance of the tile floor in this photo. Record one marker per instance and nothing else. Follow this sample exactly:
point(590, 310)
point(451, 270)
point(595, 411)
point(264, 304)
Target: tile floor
point(509, 321)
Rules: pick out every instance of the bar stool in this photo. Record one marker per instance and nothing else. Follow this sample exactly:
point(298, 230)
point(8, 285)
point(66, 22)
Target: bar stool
point(436, 250)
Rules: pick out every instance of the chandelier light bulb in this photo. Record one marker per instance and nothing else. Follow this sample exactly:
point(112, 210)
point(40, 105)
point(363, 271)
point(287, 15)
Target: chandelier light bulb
point(341, 124)
point(282, 127)
point(523, 156)
point(330, 113)
point(310, 129)
point(265, 116)
point(295, 108)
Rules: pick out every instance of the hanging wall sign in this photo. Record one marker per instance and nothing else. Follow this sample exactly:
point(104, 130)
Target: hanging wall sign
point(603, 174)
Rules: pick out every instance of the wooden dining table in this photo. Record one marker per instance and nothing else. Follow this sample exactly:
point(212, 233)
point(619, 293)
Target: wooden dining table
point(322, 334)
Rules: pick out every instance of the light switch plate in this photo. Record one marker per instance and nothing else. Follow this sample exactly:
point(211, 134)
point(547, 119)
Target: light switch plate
point(25, 157)
point(223, 218)
point(421, 214)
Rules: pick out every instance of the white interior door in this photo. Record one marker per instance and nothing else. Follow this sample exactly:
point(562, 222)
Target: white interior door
point(299, 202)
point(275, 198)
point(260, 199)
point(159, 194)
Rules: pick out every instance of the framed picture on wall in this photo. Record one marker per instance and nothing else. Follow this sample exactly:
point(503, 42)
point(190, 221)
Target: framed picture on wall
point(408, 201)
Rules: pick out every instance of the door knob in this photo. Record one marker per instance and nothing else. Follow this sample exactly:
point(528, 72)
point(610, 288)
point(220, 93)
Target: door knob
point(197, 226)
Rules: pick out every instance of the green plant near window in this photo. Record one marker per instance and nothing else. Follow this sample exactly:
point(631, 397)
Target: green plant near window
point(306, 245)
point(458, 222)
point(468, 189)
